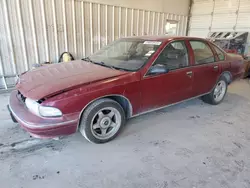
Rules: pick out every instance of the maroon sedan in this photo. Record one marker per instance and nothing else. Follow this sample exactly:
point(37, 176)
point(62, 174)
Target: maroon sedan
point(129, 77)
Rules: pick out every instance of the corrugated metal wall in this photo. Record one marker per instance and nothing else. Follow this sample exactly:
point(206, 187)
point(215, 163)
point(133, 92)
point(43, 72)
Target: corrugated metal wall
point(33, 31)
point(219, 15)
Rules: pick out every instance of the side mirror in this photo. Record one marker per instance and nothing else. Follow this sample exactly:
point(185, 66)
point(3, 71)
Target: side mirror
point(158, 69)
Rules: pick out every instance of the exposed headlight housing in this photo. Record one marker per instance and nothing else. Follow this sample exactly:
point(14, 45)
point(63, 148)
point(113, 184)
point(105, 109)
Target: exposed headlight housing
point(32, 106)
point(45, 111)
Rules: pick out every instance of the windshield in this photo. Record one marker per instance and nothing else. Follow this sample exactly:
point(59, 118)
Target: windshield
point(125, 54)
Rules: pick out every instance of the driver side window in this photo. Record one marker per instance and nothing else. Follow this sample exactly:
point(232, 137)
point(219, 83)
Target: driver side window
point(174, 56)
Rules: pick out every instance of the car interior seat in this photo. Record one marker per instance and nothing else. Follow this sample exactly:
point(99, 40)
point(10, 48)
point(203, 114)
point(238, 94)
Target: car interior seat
point(174, 59)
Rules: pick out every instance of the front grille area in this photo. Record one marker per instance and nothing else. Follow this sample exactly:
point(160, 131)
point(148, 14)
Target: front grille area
point(20, 97)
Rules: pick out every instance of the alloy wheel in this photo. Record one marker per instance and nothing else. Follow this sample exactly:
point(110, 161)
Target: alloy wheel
point(219, 91)
point(105, 123)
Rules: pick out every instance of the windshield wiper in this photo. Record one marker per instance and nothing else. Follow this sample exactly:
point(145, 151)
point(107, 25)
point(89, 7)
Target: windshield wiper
point(103, 64)
point(87, 59)
point(117, 68)
point(98, 63)
point(109, 66)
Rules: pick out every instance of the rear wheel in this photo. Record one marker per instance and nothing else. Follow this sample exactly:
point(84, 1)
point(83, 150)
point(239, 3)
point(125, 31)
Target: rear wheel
point(102, 121)
point(218, 93)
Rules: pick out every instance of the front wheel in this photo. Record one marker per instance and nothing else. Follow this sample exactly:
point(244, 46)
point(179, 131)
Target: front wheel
point(218, 93)
point(102, 121)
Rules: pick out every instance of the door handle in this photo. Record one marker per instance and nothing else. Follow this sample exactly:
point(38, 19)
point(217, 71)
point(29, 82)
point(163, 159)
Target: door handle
point(189, 73)
point(216, 67)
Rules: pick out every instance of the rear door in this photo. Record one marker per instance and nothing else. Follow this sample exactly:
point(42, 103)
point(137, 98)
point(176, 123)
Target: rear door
point(206, 68)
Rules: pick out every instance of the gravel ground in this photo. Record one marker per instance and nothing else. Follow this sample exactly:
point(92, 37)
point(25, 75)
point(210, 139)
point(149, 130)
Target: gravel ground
point(192, 144)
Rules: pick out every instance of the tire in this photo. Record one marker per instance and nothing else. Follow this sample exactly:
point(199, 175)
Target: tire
point(211, 97)
point(102, 121)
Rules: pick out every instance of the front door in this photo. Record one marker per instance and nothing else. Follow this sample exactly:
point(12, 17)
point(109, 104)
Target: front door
point(161, 89)
point(205, 70)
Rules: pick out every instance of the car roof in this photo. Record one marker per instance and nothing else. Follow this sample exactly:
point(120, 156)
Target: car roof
point(164, 37)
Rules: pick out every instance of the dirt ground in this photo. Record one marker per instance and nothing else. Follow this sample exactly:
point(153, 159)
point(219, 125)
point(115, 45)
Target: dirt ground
point(191, 145)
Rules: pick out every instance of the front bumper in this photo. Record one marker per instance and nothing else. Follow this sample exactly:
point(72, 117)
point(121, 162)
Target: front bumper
point(39, 126)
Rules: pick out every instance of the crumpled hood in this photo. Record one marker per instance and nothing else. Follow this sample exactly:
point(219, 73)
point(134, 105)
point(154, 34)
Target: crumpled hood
point(51, 79)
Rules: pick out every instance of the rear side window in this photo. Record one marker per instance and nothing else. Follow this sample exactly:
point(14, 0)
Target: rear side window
point(202, 52)
point(220, 53)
